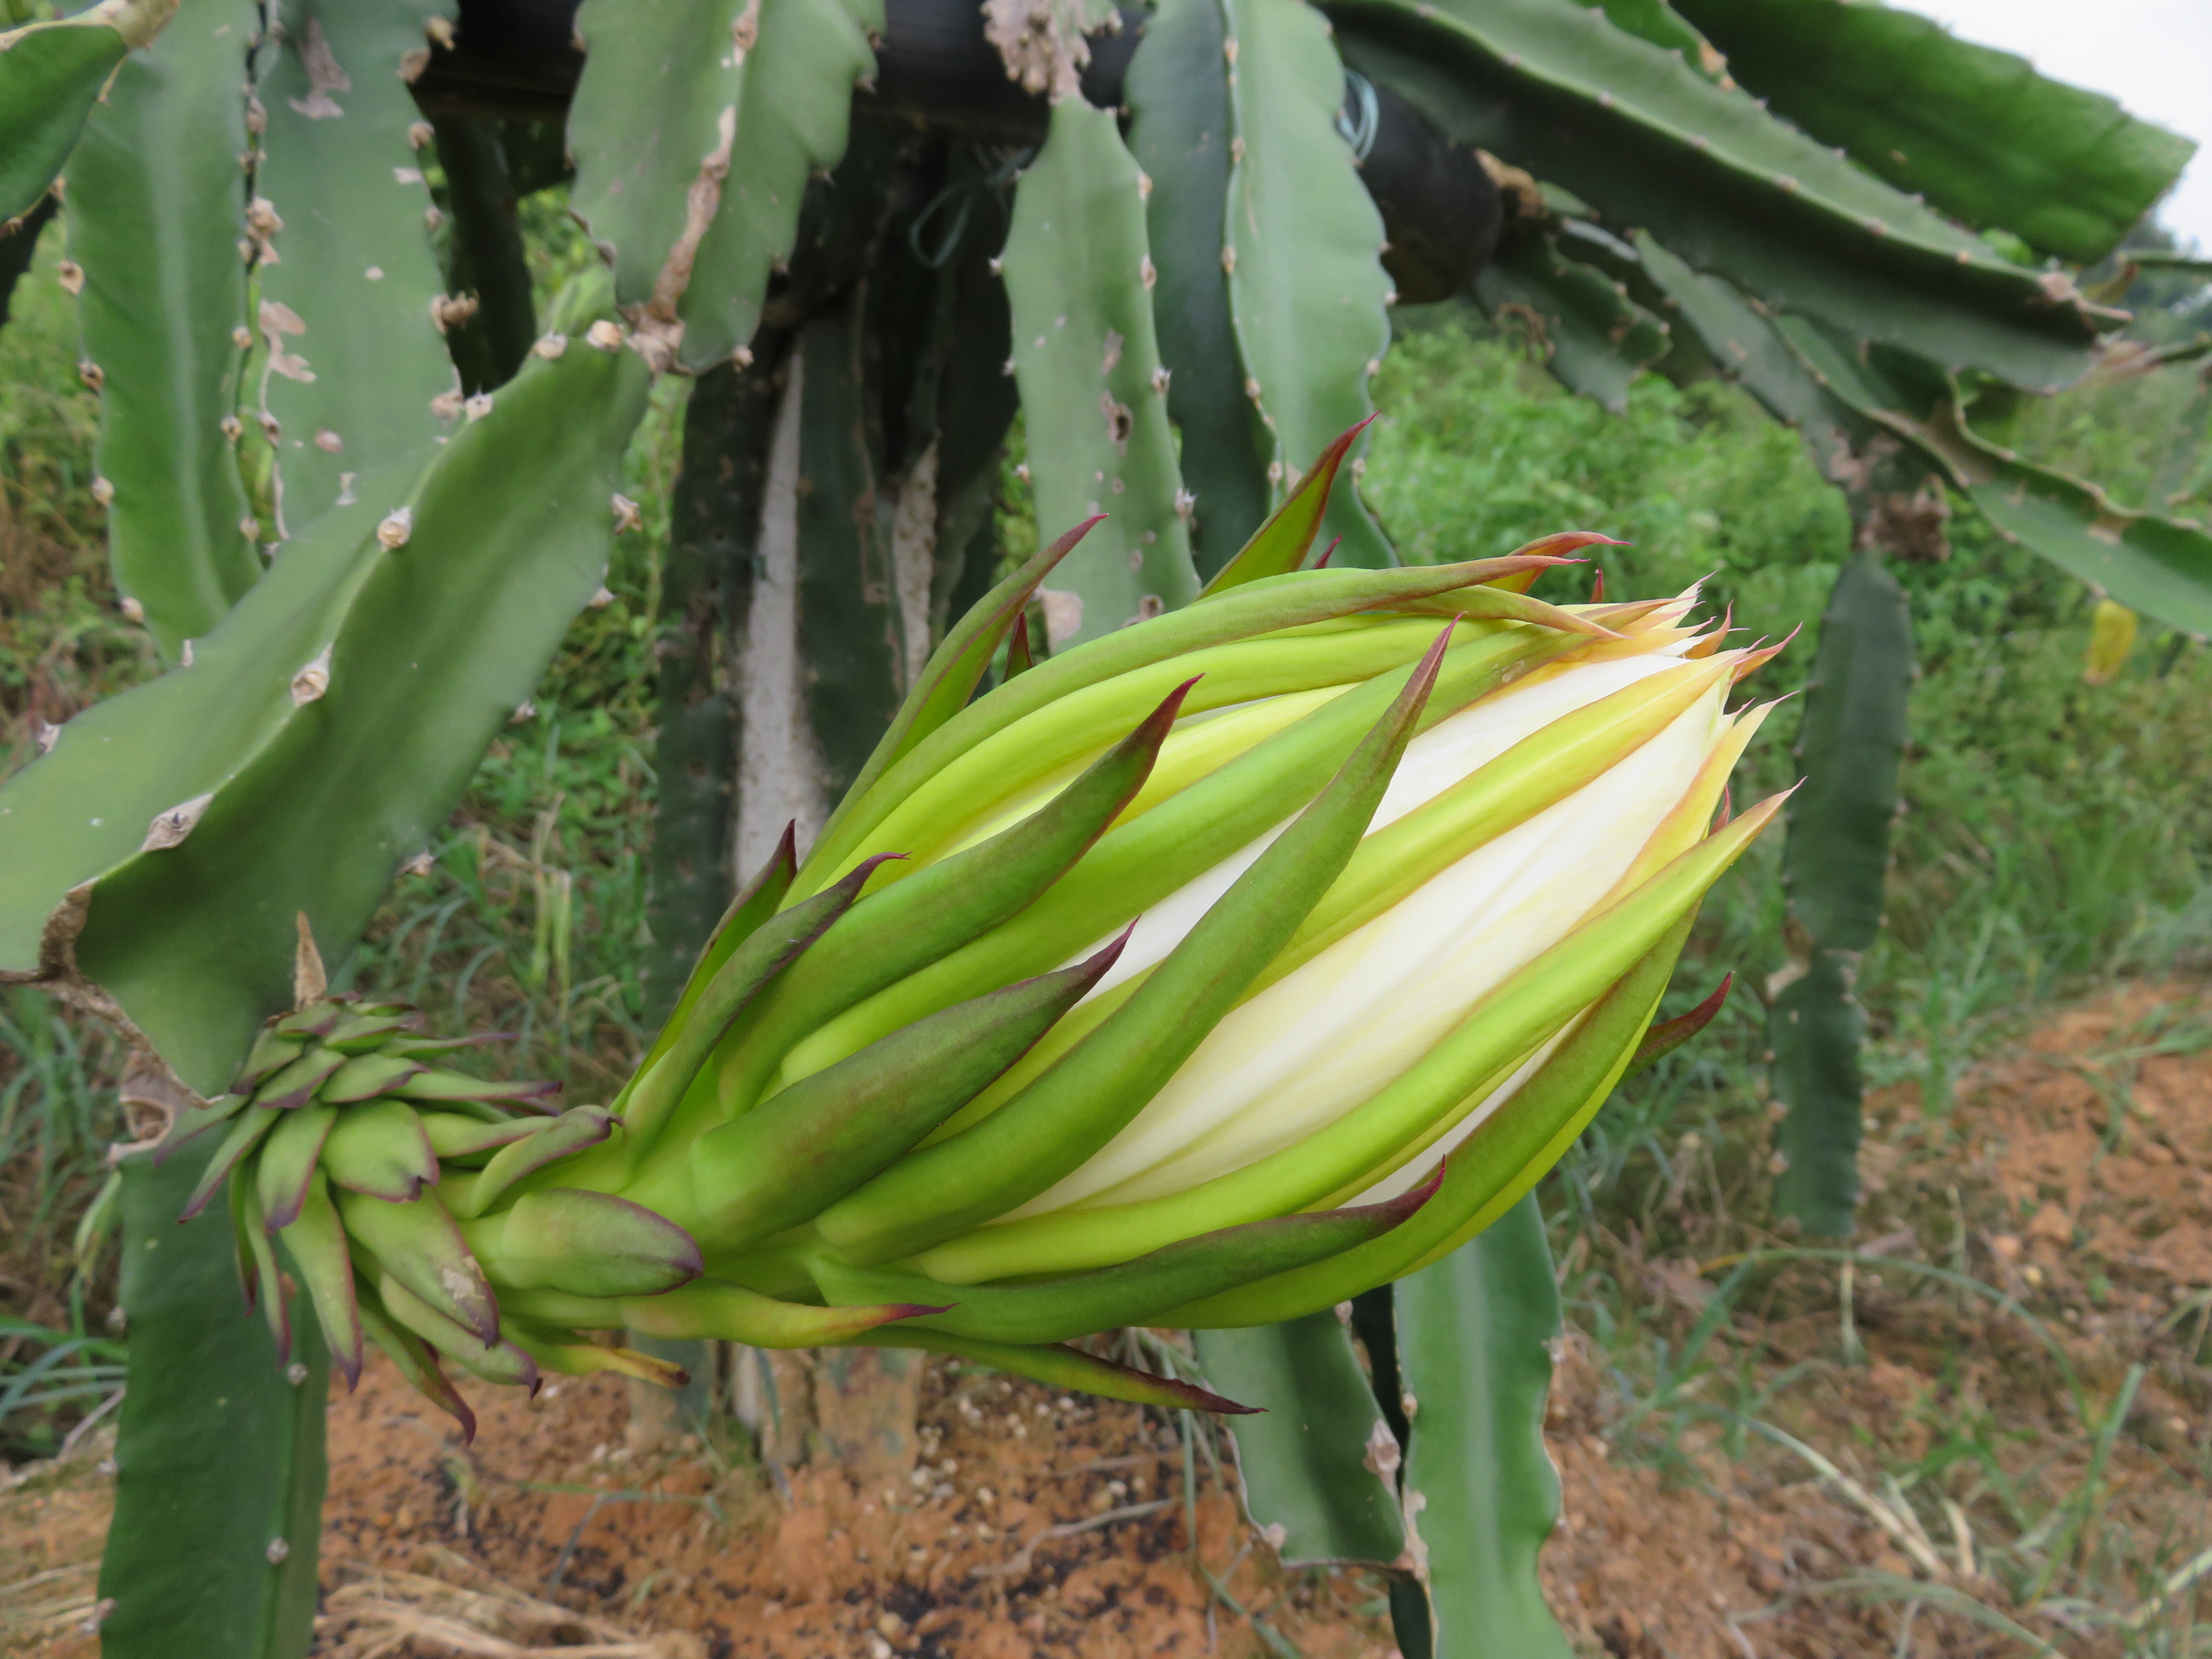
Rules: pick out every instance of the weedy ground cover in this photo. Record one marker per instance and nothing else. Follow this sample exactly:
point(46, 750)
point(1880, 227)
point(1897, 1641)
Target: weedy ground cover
point(2056, 840)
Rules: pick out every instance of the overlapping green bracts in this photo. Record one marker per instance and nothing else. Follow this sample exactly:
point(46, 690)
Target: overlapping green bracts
point(697, 206)
point(1080, 278)
point(1976, 130)
point(157, 209)
point(1180, 132)
point(160, 853)
point(979, 1075)
point(350, 372)
point(51, 75)
point(1303, 249)
point(1632, 129)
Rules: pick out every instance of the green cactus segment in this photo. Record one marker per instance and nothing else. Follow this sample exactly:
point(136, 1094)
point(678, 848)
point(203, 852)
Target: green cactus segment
point(51, 75)
point(1056, 1309)
point(1059, 1367)
point(1309, 1465)
point(1304, 249)
point(698, 207)
point(208, 809)
point(1632, 129)
point(1851, 746)
point(1814, 1028)
point(485, 259)
point(1282, 543)
point(1973, 129)
point(157, 210)
point(1079, 276)
point(1474, 1336)
point(1177, 88)
point(1661, 24)
point(1051, 1126)
point(350, 357)
point(706, 596)
point(219, 1455)
point(1594, 338)
point(850, 634)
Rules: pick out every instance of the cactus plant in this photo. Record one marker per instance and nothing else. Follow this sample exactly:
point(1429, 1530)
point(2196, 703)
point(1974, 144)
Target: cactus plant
point(1186, 316)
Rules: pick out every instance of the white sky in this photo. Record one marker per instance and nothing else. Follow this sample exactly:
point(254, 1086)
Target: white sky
point(2155, 56)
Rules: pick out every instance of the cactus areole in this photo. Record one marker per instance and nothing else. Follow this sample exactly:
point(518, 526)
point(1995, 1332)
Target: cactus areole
point(1205, 975)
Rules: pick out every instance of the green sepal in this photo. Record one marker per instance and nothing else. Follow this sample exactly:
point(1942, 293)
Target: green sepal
point(1048, 1130)
point(258, 1275)
point(287, 1162)
point(295, 1085)
point(923, 918)
point(317, 1241)
point(1258, 607)
point(244, 1135)
point(563, 1238)
point(192, 1121)
point(1406, 1113)
point(370, 1075)
point(956, 668)
point(588, 1359)
point(452, 1135)
point(808, 1145)
point(419, 1244)
point(1059, 1365)
point(1280, 545)
point(366, 1033)
point(453, 1087)
point(571, 1132)
point(1551, 1107)
point(274, 1048)
point(500, 1362)
point(758, 900)
point(381, 1149)
point(418, 1363)
point(1137, 864)
point(647, 1104)
point(1668, 1034)
point(718, 1311)
point(1131, 1293)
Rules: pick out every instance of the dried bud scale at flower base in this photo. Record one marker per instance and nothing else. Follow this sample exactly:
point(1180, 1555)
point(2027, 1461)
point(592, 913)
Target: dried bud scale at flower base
point(1207, 974)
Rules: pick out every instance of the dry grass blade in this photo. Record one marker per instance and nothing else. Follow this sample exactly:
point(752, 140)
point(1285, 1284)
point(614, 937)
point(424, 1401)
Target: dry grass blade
point(379, 1613)
point(1017, 1566)
point(45, 1606)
